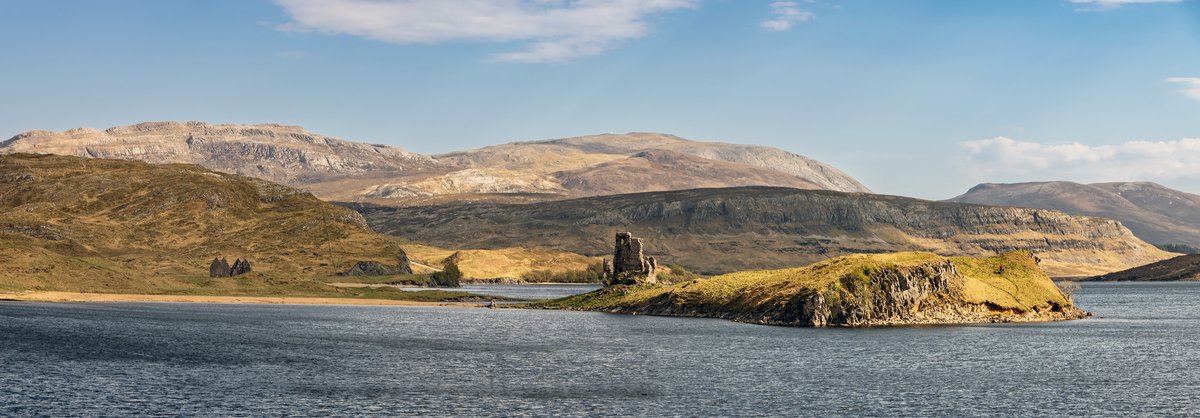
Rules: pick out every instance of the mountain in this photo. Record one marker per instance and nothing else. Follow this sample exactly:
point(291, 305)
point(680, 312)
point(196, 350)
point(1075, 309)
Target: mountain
point(283, 154)
point(1154, 213)
point(574, 153)
point(335, 169)
point(662, 170)
point(94, 225)
point(1184, 267)
point(731, 229)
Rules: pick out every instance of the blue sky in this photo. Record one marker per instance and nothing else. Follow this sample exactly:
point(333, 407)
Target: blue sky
point(917, 98)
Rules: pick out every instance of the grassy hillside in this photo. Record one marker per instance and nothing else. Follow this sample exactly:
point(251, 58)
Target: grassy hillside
point(91, 225)
point(878, 289)
point(513, 262)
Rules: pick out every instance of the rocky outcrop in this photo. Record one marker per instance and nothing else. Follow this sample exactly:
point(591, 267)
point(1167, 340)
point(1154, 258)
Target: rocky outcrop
point(375, 268)
point(629, 265)
point(221, 268)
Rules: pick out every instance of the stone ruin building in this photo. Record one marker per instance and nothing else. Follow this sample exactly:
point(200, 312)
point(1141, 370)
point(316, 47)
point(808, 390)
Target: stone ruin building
point(629, 265)
point(220, 267)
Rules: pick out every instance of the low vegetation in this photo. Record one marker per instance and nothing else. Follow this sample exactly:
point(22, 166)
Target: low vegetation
point(859, 289)
point(103, 226)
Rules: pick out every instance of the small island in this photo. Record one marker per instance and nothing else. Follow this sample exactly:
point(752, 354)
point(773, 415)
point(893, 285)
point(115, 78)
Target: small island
point(909, 288)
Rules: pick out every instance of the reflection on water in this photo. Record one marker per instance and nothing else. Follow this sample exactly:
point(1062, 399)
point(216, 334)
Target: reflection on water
point(1138, 356)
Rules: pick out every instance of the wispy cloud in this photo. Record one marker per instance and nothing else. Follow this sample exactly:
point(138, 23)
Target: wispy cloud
point(1005, 159)
point(1092, 5)
point(554, 30)
point(785, 15)
point(1191, 86)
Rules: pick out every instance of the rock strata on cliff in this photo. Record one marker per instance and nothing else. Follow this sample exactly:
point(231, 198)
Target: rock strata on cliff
point(716, 231)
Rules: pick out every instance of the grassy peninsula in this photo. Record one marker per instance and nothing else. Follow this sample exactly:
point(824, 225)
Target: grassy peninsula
point(854, 290)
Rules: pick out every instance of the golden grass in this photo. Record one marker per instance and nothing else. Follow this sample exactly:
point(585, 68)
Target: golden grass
point(1020, 288)
point(505, 262)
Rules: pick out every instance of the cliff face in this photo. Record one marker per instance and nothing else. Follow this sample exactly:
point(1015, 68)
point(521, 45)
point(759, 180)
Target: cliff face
point(721, 230)
point(1154, 213)
point(860, 290)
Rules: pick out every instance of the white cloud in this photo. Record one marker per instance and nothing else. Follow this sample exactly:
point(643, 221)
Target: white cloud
point(1005, 159)
point(785, 14)
point(1114, 4)
point(1191, 86)
point(555, 30)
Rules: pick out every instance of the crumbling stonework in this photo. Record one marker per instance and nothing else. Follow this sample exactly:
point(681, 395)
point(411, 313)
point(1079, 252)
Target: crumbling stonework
point(220, 268)
point(629, 265)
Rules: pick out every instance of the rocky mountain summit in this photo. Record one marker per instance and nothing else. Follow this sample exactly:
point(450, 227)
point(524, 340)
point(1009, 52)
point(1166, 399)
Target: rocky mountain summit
point(283, 154)
point(336, 169)
point(1155, 213)
point(732, 229)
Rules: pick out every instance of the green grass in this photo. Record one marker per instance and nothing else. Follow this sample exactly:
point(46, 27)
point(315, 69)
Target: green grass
point(1020, 288)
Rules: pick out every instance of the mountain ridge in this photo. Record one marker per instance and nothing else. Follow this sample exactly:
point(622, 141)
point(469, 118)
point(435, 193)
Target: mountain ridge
point(336, 169)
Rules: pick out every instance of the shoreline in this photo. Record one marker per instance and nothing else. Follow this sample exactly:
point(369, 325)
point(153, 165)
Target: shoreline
point(73, 297)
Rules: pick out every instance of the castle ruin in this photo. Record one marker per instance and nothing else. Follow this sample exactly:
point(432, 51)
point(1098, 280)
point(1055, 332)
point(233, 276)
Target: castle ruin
point(629, 265)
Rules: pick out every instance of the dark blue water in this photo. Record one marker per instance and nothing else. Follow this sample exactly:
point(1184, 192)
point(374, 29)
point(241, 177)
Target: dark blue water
point(521, 291)
point(1141, 356)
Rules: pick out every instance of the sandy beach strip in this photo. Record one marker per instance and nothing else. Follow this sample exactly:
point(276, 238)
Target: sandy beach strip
point(115, 297)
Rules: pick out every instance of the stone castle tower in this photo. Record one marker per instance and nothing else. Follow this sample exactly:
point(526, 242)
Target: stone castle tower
point(629, 265)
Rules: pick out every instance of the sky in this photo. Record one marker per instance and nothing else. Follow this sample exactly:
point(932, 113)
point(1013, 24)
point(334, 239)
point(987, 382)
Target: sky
point(916, 98)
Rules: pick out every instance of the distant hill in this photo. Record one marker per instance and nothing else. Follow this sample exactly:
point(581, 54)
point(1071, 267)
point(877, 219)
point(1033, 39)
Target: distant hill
point(1184, 267)
point(731, 229)
point(1154, 213)
point(335, 169)
point(662, 170)
point(92, 225)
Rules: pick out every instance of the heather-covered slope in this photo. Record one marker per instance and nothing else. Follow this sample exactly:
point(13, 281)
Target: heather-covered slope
point(724, 230)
